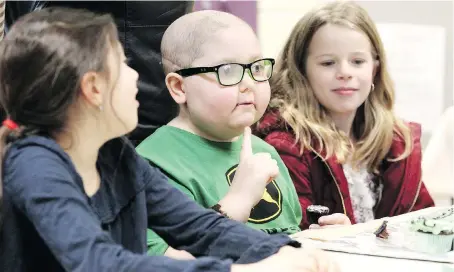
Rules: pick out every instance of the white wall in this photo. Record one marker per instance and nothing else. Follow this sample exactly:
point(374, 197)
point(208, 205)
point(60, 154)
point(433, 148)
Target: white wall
point(275, 20)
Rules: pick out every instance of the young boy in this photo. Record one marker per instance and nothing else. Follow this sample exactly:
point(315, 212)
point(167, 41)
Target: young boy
point(216, 73)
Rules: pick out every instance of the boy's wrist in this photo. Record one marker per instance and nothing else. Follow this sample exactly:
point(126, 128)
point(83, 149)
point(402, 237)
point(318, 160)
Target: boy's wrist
point(236, 207)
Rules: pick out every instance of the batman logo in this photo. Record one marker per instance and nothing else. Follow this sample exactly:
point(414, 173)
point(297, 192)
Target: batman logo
point(269, 207)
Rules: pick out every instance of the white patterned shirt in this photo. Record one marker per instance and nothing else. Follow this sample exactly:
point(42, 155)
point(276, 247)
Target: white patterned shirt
point(364, 193)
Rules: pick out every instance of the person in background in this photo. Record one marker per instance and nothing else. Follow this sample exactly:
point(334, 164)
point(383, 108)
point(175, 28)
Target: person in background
point(2, 19)
point(438, 159)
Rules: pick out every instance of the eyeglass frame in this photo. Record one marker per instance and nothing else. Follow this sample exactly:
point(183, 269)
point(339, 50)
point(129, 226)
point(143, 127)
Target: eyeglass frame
point(192, 71)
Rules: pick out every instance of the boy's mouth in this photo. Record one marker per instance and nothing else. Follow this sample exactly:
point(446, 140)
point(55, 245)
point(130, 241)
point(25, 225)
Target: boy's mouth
point(246, 104)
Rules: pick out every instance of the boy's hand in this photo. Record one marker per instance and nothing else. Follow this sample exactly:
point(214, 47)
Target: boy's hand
point(254, 172)
point(332, 220)
point(292, 260)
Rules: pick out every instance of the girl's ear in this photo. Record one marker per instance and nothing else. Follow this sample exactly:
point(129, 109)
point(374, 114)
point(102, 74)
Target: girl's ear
point(91, 87)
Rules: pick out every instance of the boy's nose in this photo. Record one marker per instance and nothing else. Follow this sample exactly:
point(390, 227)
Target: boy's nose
point(247, 83)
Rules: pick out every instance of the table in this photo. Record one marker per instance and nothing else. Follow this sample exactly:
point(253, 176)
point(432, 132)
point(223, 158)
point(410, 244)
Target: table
point(352, 263)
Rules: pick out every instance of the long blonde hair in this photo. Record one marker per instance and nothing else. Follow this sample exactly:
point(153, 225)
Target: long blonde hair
point(375, 123)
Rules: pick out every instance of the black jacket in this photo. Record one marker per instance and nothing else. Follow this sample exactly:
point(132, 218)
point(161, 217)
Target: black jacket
point(141, 25)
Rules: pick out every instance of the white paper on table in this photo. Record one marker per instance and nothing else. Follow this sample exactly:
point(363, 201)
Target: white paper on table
point(365, 243)
point(368, 244)
point(416, 62)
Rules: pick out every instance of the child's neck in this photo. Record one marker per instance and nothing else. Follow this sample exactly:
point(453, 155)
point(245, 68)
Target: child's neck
point(83, 154)
point(344, 122)
point(186, 125)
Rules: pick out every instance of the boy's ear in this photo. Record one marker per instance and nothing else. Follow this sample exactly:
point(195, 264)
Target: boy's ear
point(174, 83)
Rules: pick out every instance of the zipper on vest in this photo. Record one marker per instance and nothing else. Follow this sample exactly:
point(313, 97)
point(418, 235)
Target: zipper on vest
point(335, 181)
point(416, 196)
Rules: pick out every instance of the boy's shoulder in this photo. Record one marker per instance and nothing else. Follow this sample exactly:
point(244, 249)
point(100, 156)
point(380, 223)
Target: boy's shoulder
point(168, 145)
point(158, 142)
point(259, 145)
point(166, 140)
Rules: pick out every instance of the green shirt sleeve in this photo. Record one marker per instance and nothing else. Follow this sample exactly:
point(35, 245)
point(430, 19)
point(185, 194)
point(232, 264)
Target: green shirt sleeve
point(156, 245)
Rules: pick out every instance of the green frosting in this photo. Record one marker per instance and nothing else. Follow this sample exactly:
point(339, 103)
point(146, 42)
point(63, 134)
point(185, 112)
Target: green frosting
point(434, 226)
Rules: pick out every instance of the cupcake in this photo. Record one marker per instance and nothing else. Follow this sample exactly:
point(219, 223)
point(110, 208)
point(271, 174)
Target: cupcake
point(314, 212)
point(430, 235)
point(447, 215)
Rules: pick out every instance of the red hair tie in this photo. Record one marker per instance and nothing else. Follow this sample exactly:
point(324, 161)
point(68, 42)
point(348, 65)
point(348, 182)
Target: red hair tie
point(10, 124)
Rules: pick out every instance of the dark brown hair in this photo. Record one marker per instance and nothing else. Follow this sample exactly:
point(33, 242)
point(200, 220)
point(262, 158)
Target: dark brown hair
point(42, 61)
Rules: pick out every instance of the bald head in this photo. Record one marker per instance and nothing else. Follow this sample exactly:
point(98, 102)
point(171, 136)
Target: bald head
point(183, 40)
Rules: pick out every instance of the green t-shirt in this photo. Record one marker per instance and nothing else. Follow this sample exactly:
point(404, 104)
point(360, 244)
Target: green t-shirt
point(204, 170)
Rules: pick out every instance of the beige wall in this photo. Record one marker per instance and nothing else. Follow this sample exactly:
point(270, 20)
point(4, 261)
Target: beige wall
point(276, 19)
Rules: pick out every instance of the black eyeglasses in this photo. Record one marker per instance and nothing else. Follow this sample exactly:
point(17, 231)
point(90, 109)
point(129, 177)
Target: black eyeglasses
point(229, 74)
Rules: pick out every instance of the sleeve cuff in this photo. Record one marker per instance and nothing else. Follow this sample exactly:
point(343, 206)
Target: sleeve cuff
point(266, 248)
